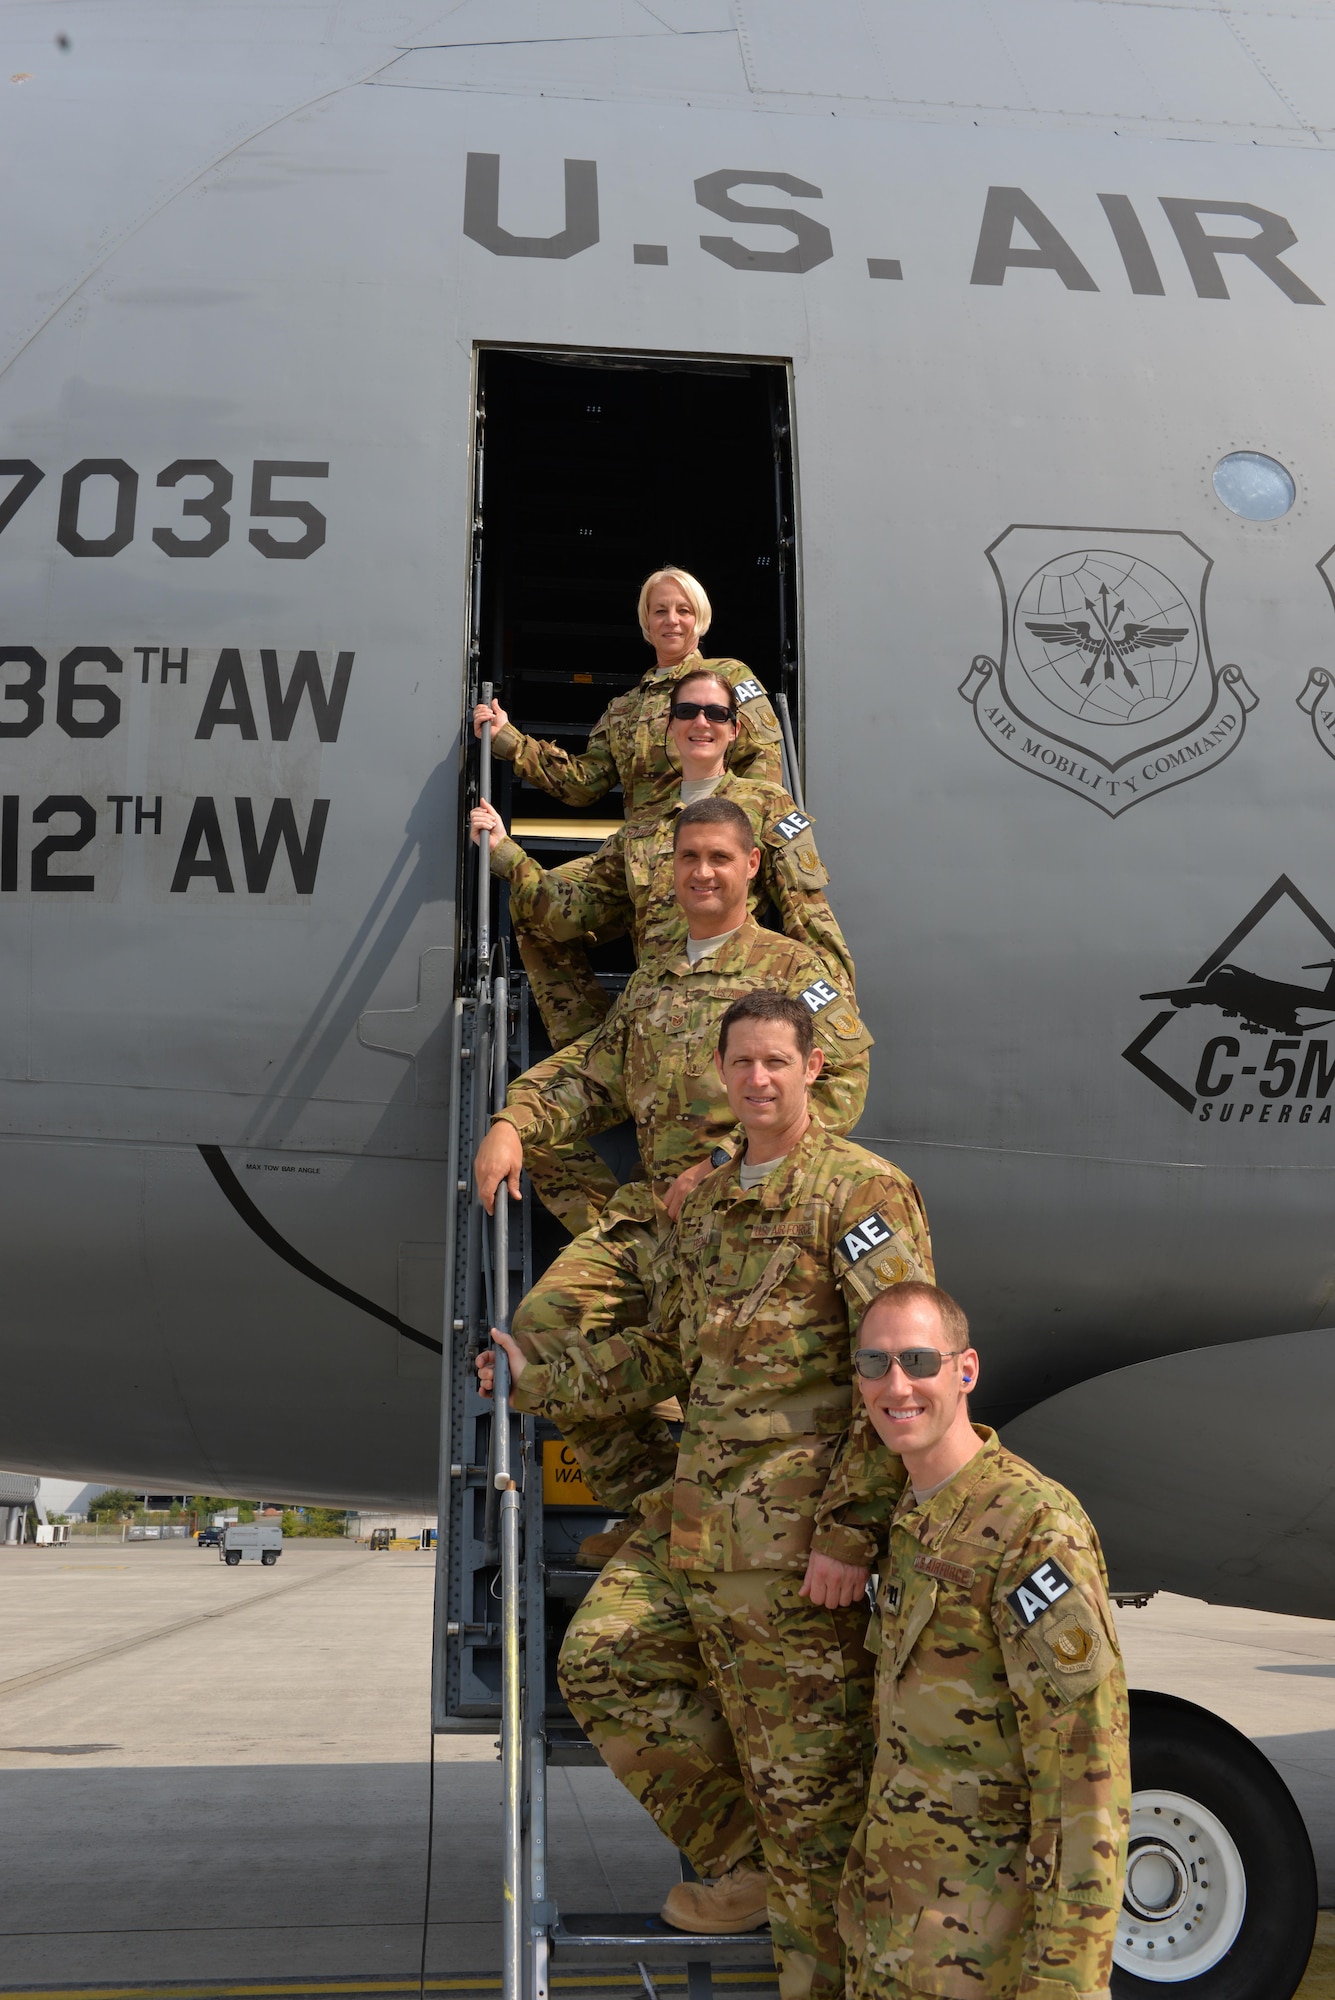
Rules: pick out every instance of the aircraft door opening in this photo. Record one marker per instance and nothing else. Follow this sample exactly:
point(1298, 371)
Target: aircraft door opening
point(592, 471)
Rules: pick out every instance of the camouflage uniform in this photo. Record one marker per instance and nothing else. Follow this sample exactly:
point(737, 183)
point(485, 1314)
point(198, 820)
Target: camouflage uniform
point(990, 1859)
point(628, 745)
point(627, 886)
point(654, 1061)
point(738, 1713)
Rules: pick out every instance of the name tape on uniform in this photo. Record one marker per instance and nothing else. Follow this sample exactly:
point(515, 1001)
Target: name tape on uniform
point(872, 1233)
point(819, 994)
point(1041, 1589)
point(791, 825)
point(747, 691)
point(948, 1572)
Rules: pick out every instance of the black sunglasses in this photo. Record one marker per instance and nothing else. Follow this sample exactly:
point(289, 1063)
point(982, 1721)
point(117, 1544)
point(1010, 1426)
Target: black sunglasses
point(918, 1363)
point(686, 711)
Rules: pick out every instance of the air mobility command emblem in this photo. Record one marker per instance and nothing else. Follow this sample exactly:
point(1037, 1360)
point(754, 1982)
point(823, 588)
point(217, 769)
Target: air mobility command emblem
point(1073, 1646)
point(1105, 684)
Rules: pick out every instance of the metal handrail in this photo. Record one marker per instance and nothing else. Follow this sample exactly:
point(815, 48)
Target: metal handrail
point(790, 750)
point(502, 1480)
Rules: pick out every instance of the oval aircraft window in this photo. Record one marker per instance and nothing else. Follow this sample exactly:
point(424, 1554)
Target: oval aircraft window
point(1254, 486)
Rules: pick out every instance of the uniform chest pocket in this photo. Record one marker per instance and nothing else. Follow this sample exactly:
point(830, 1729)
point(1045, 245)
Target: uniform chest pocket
point(775, 1271)
point(918, 1602)
point(701, 1043)
point(647, 862)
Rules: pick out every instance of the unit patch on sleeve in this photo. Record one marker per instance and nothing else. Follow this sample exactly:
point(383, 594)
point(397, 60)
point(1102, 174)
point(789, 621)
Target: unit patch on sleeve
point(747, 691)
point(791, 825)
point(1041, 1589)
point(819, 994)
point(870, 1234)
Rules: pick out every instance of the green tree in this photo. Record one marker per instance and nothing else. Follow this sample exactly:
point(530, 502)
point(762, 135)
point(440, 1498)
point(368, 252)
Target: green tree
point(116, 1504)
point(314, 1521)
point(205, 1505)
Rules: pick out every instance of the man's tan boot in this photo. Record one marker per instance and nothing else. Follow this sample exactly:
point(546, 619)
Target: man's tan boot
point(734, 1902)
point(596, 1550)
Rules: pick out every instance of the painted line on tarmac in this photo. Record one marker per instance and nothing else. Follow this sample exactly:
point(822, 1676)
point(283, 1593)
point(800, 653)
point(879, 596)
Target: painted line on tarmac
point(17, 1683)
point(299, 1989)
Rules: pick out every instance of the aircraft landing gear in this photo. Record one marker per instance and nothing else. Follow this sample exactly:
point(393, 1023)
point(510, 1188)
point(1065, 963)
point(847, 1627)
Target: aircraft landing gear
point(1220, 1896)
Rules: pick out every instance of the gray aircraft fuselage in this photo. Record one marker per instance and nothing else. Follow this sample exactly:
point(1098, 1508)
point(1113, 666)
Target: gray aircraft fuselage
point(1069, 726)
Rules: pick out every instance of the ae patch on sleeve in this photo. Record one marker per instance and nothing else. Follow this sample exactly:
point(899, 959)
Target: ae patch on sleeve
point(818, 995)
point(791, 825)
point(872, 1233)
point(1041, 1589)
point(1063, 1629)
point(747, 691)
point(874, 1258)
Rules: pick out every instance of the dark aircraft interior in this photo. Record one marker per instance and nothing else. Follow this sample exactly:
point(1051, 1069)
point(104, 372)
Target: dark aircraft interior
point(593, 472)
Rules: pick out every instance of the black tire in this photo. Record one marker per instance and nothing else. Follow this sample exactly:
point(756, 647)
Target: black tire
point(232, 1558)
point(1177, 1747)
point(268, 1557)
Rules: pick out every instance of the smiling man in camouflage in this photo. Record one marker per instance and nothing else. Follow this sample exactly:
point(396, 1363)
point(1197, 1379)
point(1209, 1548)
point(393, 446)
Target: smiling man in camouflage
point(653, 1060)
point(990, 1860)
point(718, 1663)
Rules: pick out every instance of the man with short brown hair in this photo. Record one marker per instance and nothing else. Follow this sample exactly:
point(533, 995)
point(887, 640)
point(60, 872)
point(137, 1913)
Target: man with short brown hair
point(990, 1858)
point(653, 1060)
point(718, 1663)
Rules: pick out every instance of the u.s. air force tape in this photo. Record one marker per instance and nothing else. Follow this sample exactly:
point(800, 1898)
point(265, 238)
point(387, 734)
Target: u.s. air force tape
point(819, 994)
point(866, 1236)
point(747, 691)
point(791, 825)
point(1041, 1589)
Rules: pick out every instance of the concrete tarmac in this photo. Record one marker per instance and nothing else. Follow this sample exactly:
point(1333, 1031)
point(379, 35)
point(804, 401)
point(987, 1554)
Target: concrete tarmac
point(213, 1775)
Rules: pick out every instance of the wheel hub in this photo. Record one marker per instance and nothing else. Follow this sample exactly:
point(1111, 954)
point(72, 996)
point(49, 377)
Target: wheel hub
point(1157, 1884)
point(1186, 1890)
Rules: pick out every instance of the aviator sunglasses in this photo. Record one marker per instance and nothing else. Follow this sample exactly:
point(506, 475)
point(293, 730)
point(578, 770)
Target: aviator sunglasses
point(918, 1363)
point(713, 711)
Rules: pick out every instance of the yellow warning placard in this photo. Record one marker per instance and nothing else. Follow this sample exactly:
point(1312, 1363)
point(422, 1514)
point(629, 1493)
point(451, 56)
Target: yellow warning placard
point(562, 1481)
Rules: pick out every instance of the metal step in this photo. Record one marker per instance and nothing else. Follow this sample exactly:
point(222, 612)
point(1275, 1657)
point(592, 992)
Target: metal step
point(619, 1937)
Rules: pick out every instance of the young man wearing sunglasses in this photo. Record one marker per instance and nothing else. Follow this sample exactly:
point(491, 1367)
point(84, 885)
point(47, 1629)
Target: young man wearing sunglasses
point(990, 1858)
point(719, 1663)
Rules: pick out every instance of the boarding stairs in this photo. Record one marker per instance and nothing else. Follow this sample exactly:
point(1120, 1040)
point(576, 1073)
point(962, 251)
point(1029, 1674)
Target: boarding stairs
point(507, 1576)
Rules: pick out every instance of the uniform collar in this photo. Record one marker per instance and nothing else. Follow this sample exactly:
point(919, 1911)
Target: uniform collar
point(732, 954)
point(787, 1185)
point(723, 786)
point(933, 1520)
point(656, 673)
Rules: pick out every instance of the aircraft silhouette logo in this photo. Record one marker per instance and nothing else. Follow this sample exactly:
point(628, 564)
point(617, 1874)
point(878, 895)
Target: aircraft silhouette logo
point(1242, 1037)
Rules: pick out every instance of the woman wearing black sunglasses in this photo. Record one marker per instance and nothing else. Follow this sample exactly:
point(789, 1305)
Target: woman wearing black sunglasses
point(627, 885)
